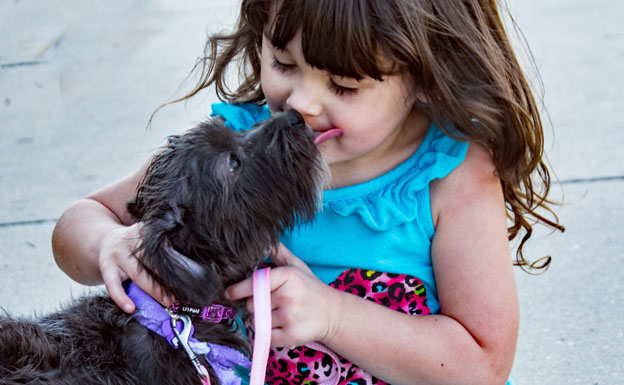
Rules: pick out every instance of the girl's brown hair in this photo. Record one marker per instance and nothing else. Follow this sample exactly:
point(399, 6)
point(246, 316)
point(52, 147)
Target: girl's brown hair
point(457, 53)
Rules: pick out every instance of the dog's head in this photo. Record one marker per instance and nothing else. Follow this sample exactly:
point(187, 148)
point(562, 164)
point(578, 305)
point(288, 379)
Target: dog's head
point(214, 201)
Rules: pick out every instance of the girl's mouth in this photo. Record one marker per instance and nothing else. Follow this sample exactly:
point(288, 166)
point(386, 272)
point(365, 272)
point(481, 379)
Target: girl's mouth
point(322, 136)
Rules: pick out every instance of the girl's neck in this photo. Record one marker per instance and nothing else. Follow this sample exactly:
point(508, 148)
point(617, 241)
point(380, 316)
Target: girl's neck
point(401, 145)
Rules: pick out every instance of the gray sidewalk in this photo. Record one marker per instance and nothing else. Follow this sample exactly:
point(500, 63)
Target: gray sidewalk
point(79, 80)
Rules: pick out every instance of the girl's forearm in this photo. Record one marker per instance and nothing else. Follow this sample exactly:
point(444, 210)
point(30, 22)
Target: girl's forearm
point(405, 349)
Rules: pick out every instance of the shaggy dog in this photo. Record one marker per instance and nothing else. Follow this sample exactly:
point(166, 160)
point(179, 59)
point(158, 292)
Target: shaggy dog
point(212, 204)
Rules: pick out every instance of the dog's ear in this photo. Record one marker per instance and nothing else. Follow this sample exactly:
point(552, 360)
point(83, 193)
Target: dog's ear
point(177, 273)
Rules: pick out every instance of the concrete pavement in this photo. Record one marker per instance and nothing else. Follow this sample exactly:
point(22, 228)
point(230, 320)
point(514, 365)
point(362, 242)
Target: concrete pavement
point(79, 80)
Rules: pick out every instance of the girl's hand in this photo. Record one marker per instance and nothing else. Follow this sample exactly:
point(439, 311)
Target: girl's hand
point(117, 264)
point(303, 307)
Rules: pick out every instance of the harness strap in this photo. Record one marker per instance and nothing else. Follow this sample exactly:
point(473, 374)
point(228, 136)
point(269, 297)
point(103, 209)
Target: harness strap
point(154, 317)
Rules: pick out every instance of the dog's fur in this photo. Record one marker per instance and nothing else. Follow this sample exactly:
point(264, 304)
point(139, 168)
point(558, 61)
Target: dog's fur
point(218, 197)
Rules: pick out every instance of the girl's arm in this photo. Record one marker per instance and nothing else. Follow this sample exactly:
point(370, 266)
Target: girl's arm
point(472, 341)
point(93, 239)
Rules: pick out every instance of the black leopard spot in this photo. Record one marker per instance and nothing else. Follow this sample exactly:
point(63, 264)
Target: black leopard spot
point(349, 277)
point(307, 352)
point(336, 283)
point(294, 353)
point(358, 290)
point(280, 381)
point(411, 280)
point(396, 291)
point(373, 276)
point(303, 368)
point(327, 362)
point(385, 301)
point(283, 366)
point(379, 287)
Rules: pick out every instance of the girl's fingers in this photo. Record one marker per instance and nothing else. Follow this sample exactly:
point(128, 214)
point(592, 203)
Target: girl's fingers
point(118, 263)
point(281, 338)
point(284, 257)
point(244, 289)
point(278, 337)
point(289, 283)
point(143, 280)
point(117, 293)
point(240, 290)
point(249, 305)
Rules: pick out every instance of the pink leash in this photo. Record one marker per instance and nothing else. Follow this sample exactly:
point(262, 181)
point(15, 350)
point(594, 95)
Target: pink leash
point(262, 331)
point(262, 325)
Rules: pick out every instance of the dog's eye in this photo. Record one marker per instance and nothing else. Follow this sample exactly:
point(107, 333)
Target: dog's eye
point(234, 162)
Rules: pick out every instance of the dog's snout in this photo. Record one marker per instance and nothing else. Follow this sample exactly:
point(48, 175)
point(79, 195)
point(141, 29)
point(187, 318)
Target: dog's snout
point(294, 118)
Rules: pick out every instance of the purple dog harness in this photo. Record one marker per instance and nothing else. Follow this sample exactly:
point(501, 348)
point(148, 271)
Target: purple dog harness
point(165, 322)
point(178, 329)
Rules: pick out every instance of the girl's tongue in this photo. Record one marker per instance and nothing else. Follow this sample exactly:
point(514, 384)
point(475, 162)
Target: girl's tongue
point(326, 135)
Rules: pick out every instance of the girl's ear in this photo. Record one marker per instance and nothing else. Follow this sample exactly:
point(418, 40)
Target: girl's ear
point(416, 90)
point(421, 98)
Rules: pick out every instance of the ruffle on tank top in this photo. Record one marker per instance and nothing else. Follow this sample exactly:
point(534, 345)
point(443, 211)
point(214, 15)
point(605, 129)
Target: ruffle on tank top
point(389, 200)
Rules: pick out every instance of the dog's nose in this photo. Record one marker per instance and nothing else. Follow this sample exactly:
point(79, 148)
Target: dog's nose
point(294, 118)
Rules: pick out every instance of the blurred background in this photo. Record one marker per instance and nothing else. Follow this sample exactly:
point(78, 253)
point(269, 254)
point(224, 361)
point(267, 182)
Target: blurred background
point(79, 81)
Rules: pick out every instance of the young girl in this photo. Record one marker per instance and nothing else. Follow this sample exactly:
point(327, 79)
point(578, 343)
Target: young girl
point(433, 139)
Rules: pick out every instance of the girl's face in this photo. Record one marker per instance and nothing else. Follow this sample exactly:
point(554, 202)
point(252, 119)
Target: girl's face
point(379, 127)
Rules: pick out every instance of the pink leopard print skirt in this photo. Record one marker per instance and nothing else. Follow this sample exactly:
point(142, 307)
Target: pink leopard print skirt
point(303, 365)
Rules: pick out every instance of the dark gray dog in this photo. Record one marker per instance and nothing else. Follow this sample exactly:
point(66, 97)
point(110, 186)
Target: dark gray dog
point(213, 202)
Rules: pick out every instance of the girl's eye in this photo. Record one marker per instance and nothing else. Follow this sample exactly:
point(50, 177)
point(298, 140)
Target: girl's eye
point(281, 67)
point(336, 88)
point(234, 163)
point(340, 90)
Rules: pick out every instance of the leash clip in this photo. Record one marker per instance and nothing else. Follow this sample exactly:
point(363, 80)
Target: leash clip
point(182, 338)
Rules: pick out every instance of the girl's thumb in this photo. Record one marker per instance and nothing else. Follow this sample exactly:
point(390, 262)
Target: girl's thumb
point(281, 256)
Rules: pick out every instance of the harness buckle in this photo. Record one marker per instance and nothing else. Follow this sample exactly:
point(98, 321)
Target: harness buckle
point(182, 338)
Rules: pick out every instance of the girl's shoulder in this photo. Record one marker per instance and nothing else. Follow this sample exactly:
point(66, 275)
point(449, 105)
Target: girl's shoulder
point(474, 179)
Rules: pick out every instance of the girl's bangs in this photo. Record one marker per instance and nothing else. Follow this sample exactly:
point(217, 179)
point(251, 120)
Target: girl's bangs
point(336, 36)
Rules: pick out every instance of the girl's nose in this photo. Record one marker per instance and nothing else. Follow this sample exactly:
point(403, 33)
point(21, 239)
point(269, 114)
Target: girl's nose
point(305, 99)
